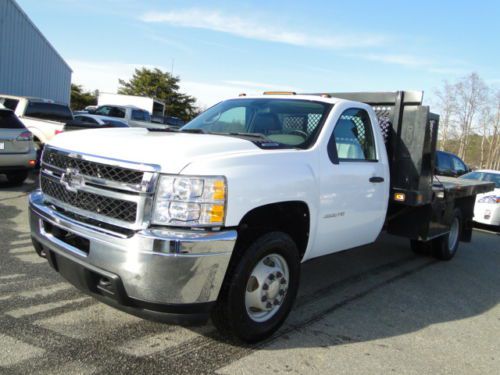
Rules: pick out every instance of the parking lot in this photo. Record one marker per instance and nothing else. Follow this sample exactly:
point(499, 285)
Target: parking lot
point(377, 309)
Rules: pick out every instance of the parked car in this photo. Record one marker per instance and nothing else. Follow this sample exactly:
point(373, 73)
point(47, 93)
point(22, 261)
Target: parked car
point(17, 151)
point(44, 118)
point(89, 121)
point(448, 164)
point(487, 208)
point(133, 116)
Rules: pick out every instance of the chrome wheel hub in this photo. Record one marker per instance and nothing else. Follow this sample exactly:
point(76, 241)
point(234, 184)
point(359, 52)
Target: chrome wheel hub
point(266, 287)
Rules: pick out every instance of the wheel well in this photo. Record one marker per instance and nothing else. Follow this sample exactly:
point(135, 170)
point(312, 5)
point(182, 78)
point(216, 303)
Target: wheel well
point(291, 218)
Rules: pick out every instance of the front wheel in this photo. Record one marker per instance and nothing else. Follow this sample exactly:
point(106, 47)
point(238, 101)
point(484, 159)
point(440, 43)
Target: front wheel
point(259, 289)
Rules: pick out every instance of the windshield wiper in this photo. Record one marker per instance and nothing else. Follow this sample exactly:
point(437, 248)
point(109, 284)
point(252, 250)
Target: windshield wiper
point(166, 129)
point(248, 135)
point(195, 131)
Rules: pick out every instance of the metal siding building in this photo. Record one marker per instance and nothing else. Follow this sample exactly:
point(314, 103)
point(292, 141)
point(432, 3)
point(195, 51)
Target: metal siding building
point(29, 65)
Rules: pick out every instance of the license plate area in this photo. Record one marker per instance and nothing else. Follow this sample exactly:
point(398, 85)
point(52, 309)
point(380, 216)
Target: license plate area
point(68, 238)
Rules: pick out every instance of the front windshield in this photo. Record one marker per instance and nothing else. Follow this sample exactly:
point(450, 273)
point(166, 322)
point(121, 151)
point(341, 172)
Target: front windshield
point(484, 176)
point(286, 122)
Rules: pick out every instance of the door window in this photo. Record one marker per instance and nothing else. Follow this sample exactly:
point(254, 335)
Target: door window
point(48, 111)
point(85, 119)
point(354, 137)
point(458, 166)
point(8, 120)
point(444, 163)
point(139, 115)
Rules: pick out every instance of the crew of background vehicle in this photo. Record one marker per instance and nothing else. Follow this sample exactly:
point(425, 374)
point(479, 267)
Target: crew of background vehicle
point(17, 151)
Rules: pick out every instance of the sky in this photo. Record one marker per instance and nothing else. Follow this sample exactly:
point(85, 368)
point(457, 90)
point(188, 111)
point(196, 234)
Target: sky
point(222, 48)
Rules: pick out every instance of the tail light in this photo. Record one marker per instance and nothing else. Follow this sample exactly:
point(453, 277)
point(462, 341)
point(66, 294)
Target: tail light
point(58, 132)
point(24, 136)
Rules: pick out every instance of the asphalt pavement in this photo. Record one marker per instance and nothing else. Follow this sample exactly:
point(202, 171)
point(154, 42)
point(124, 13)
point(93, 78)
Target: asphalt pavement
point(374, 310)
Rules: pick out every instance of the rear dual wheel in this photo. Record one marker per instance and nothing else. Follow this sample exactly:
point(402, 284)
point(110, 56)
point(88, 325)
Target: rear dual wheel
point(443, 247)
point(259, 289)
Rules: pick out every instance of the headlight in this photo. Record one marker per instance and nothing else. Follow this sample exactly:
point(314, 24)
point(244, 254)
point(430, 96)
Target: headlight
point(190, 201)
point(489, 199)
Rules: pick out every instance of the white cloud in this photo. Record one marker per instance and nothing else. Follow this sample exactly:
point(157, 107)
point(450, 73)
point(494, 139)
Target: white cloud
point(262, 86)
point(102, 75)
point(252, 29)
point(398, 59)
point(451, 67)
point(209, 94)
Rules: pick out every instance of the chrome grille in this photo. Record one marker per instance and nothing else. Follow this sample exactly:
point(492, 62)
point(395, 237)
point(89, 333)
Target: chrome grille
point(92, 169)
point(110, 207)
point(106, 191)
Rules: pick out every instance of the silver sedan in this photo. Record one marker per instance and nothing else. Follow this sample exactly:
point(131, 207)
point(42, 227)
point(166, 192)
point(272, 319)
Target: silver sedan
point(17, 151)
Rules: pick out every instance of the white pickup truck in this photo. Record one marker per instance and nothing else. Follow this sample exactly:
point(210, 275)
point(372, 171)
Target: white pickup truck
point(44, 118)
point(216, 218)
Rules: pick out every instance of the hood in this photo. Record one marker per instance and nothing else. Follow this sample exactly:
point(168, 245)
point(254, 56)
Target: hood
point(171, 151)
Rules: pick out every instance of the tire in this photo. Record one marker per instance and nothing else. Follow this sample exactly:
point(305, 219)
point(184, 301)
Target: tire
point(235, 314)
point(421, 247)
point(445, 247)
point(17, 178)
point(38, 149)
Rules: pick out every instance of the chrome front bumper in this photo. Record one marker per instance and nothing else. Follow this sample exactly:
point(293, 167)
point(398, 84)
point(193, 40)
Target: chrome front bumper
point(155, 266)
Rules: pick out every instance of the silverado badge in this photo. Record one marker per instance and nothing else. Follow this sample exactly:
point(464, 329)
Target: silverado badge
point(72, 179)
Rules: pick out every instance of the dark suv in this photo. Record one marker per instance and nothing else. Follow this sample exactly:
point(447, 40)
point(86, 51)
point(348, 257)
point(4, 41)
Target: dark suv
point(448, 164)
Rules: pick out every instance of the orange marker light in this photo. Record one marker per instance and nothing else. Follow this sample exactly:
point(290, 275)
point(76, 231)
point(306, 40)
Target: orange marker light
point(399, 197)
point(217, 214)
point(219, 192)
point(279, 93)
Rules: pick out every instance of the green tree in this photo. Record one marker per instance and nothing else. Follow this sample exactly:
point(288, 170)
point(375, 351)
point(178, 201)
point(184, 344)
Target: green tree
point(162, 86)
point(80, 98)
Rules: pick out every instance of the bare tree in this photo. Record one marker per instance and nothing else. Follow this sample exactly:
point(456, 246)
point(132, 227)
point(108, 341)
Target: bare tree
point(447, 103)
point(471, 94)
point(485, 121)
point(493, 160)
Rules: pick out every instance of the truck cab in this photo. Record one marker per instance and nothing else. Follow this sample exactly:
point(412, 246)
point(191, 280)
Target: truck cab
point(216, 218)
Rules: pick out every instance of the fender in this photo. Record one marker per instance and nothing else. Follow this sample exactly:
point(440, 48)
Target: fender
point(264, 177)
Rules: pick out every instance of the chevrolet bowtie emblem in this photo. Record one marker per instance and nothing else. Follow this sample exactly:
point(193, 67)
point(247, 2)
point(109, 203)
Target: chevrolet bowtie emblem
point(72, 179)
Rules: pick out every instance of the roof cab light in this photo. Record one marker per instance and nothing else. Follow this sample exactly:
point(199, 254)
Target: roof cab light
point(279, 93)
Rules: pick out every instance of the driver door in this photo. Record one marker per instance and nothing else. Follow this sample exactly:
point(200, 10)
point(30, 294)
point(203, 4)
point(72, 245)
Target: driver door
point(354, 187)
